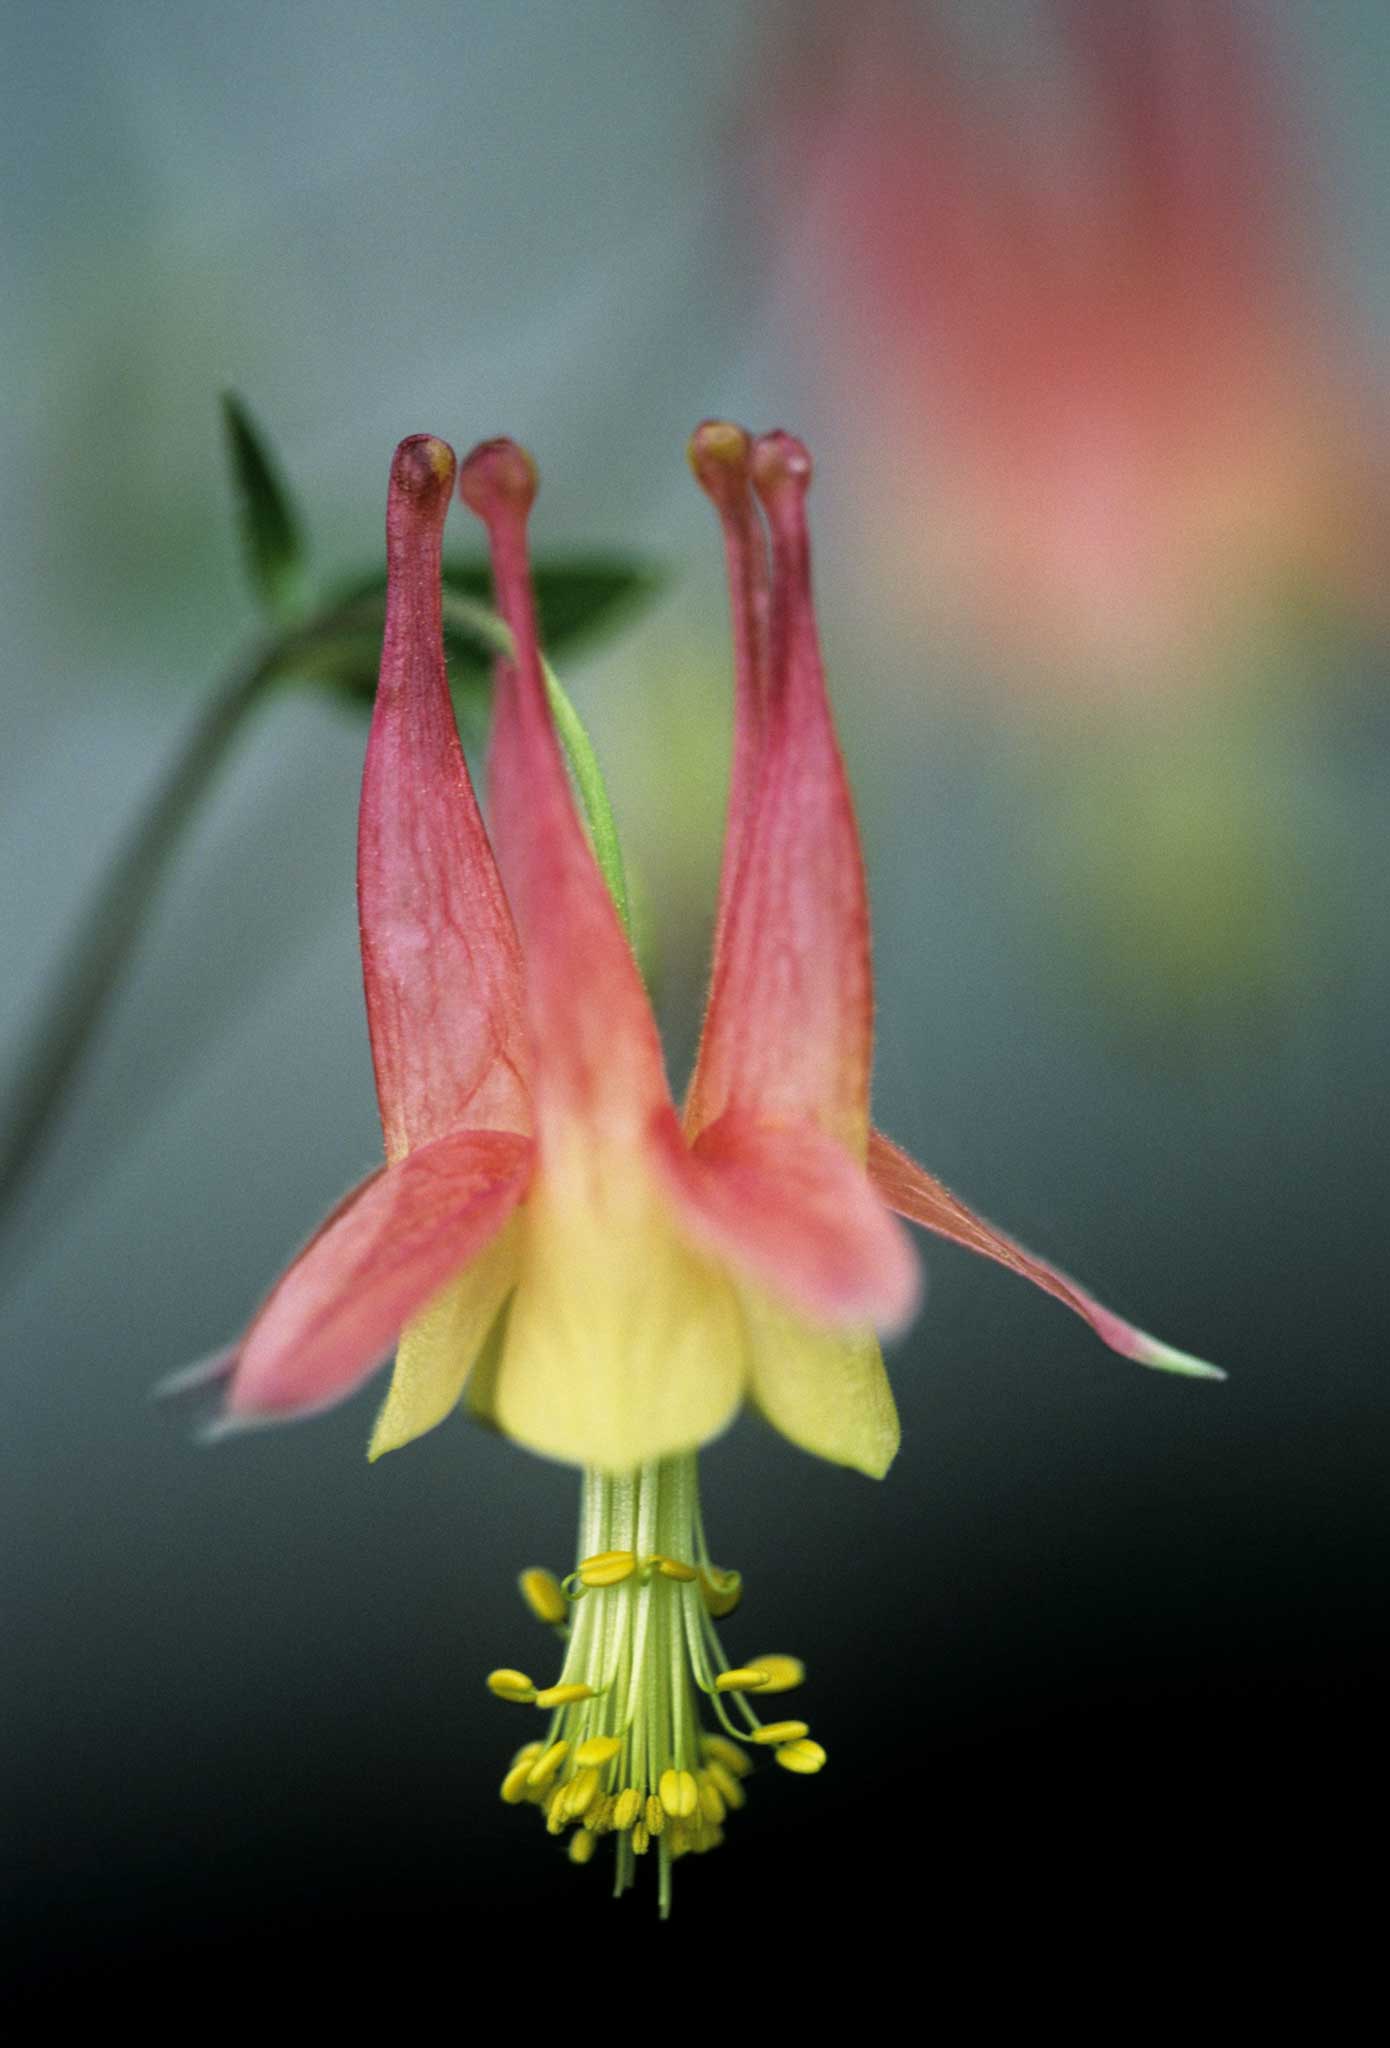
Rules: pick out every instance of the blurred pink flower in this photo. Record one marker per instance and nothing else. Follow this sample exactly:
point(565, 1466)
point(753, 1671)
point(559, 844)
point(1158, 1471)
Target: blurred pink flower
point(1119, 411)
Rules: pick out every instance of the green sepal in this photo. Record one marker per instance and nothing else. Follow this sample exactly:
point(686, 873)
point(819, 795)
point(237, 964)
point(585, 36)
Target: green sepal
point(271, 537)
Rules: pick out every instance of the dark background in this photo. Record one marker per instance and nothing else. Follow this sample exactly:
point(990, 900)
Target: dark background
point(1101, 1657)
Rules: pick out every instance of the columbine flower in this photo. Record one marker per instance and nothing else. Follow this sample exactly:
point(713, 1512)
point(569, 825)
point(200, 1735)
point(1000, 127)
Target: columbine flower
point(1125, 416)
point(606, 1281)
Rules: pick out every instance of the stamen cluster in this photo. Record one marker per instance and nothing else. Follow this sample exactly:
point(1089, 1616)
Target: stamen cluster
point(627, 1752)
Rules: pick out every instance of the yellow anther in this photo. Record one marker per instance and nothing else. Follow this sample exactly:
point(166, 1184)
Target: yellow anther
point(626, 1809)
point(599, 1818)
point(607, 1568)
point(598, 1750)
point(672, 1568)
point(747, 1678)
point(654, 1814)
point(516, 1783)
point(641, 1839)
point(556, 1813)
point(540, 1590)
point(783, 1673)
point(721, 1750)
point(780, 1731)
point(563, 1695)
point(582, 1847)
point(582, 1792)
point(543, 1770)
point(730, 1791)
point(680, 1840)
point(679, 1794)
point(711, 1800)
point(527, 1751)
point(511, 1685)
point(720, 1590)
point(805, 1758)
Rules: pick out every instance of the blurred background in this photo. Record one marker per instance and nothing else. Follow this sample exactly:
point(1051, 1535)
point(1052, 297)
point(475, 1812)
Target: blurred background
point(1083, 310)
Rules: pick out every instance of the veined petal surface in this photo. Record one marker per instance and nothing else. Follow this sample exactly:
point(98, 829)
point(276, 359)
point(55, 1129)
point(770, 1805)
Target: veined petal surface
point(789, 1028)
point(598, 1062)
point(440, 961)
point(384, 1253)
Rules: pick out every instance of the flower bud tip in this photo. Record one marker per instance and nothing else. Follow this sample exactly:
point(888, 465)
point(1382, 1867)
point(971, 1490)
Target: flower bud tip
point(498, 476)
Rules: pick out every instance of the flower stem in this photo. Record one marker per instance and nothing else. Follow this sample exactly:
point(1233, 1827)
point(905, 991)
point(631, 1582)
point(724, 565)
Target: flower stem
point(111, 923)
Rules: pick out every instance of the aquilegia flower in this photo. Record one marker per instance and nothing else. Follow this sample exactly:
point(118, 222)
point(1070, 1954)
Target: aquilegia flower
point(604, 1279)
point(1123, 416)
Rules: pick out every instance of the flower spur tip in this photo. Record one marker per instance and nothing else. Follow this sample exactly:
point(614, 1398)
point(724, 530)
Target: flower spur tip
point(498, 476)
point(720, 453)
point(423, 468)
point(780, 462)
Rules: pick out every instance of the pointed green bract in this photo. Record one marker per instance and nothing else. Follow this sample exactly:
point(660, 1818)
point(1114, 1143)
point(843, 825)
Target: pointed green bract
point(271, 537)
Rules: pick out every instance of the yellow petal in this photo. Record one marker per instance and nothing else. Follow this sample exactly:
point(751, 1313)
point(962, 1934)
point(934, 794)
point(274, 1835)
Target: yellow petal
point(623, 1343)
point(438, 1347)
point(824, 1389)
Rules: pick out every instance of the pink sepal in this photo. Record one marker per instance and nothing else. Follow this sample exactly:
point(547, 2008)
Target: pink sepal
point(387, 1249)
point(913, 1192)
point(793, 1212)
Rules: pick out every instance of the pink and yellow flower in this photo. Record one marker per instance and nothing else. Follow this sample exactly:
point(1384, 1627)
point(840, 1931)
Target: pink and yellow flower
point(603, 1278)
point(1121, 417)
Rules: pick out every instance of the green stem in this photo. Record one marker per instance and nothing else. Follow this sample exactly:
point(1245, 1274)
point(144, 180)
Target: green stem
point(111, 923)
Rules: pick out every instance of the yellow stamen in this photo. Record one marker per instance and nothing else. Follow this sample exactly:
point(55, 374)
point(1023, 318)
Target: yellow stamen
point(747, 1678)
point(626, 1809)
point(730, 1791)
point(581, 1793)
point(780, 1731)
point(679, 1794)
point(727, 1753)
point(607, 1568)
point(516, 1782)
point(547, 1764)
point(805, 1758)
point(641, 1839)
point(563, 1695)
point(582, 1847)
point(541, 1591)
point(599, 1749)
point(720, 1590)
point(672, 1568)
point(654, 1814)
point(711, 1799)
point(599, 1818)
point(783, 1673)
point(511, 1685)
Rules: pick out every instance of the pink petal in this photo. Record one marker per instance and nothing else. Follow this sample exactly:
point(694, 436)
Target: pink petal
point(598, 1057)
point(914, 1193)
point(439, 954)
point(387, 1249)
point(789, 1208)
point(721, 456)
point(789, 1027)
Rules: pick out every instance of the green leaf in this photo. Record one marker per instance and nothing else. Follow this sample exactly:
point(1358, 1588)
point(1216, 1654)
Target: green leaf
point(579, 597)
point(271, 539)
